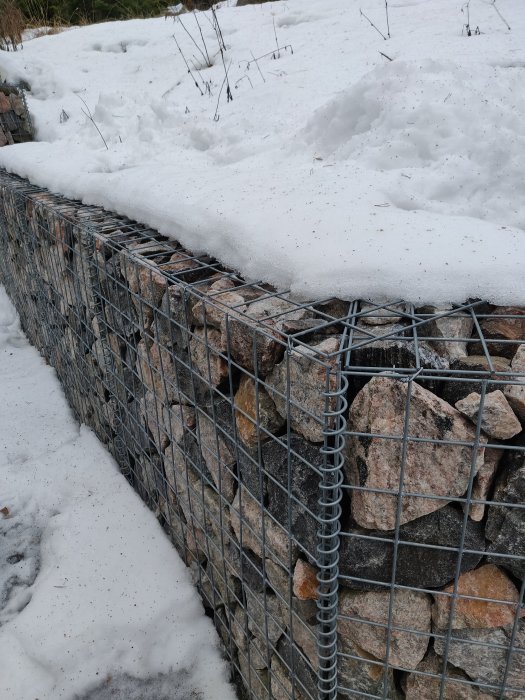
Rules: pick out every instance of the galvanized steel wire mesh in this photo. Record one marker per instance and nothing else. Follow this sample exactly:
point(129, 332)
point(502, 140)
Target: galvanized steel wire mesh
point(345, 480)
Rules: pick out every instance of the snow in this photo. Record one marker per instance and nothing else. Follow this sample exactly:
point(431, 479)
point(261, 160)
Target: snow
point(94, 601)
point(334, 170)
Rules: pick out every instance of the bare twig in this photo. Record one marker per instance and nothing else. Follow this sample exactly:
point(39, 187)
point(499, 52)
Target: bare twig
point(216, 115)
point(257, 64)
point(385, 56)
point(217, 28)
point(92, 120)
point(372, 24)
point(187, 66)
point(387, 20)
point(203, 41)
point(275, 35)
point(206, 60)
point(493, 3)
point(270, 53)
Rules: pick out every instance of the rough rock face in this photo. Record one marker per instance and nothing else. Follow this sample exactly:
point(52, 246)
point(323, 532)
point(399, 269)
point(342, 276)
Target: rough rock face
point(466, 381)
point(505, 527)
point(305, 581)
point(380, 317)
point(498, 419)
point(217, 455)
point(411, 610)
point(451, 326)
point(261, 333)
point(497, 327)
point(458, 685)
point(486, 664)
point(431, 468)
point(306, 374)
point(483, 482)
point(207, 353)
point(254, 405)
point(425, 567)
point(515, 393)
point(486, 582)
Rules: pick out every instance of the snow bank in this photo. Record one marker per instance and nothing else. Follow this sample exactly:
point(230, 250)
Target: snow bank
point(94, 601)
point(334, 170)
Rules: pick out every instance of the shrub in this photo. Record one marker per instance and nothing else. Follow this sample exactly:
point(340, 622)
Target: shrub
point(12, 24)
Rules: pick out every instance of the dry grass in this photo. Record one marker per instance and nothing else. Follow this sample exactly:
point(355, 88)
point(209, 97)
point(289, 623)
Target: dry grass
point(12, 24)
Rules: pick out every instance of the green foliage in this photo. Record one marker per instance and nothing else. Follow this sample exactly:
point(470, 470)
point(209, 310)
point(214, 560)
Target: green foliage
point(81, 11)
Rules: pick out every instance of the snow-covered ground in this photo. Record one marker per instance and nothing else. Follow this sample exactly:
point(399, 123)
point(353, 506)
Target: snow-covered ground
point(355, 166)
point(94, 601)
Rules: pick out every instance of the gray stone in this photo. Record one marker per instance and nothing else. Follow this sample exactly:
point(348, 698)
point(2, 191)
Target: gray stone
point(304, 371)
point(468, 373)
point(498, 419)
point(486, 664)
point(260, 330)
point(458, 685)
point(483, 481)
point(515, 393)
point(505, 527)
point(256, 414)
point(380, 316)
point(247, 518)
point(453, 326)
point(207, 352)
point(411, 610)
point(217, 456)
point(417, 565)
point(265, 616)
point(431, 468)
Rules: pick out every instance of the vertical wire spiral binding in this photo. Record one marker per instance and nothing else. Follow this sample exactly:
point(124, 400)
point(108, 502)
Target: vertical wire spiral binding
point(328, 536)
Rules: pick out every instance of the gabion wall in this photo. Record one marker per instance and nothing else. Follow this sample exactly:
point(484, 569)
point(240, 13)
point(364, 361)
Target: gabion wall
point(346, 481)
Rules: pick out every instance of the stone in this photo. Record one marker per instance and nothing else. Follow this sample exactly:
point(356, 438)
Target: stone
point(278, 578)
point(280, 683)
point(500, 326)
point(265, 616)
point(220, 300)
point(5, 104)
point(257, 681)
point(178, 421)
point(306, 372)
point(369, 314)
point(486, 582)
point(305, 581)
point(277, 545)
point(256, 414)
point(259, 329)
point(371, 558)
point(505, 528)
point(217, 456)
point(440, 328)
point(152, 411)
point(483, 482)
point(515, 393)
point(207, 352)
point(173, 320)
point(458, 685)
point(433, 469)
point(293, 488)
point(498, 420)
point(157, 370)
point(411, 610)
point(482, 654)
point(467, 375)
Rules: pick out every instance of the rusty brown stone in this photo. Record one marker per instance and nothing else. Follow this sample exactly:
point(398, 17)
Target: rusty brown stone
point(497, 327)
point(431, 468)
point(254, 405)
point(305, 581)
point(486, 582)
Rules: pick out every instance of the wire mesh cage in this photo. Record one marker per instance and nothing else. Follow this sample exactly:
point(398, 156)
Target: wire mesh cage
point(345, 480)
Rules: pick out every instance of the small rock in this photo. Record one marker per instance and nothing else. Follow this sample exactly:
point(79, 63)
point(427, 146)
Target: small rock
point(218, 456)
point(435, 469)
point(152, 412)
point(515, 393)
point(220, 299)
point(371, 315)
point(419, 566)
point(506, 524)
point(261, 327)
point(254, 405)
point(483, 482)
point(498, 420)
point(248, 529)
point(305, 373)
point(305, 581)
point(266, 616)
point(498, 326)
point(207, 354)
point(411, 610)
point(482, 654)
point(426, 687)
point(178, 420)
point(486, 582)
point(281, 685)
point(455, 325)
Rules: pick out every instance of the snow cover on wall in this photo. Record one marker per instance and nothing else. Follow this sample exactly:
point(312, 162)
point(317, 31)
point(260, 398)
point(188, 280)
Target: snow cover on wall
point(94, 600)
point(353, 166)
